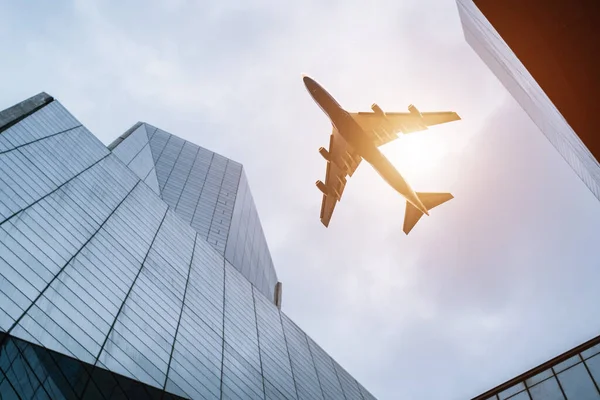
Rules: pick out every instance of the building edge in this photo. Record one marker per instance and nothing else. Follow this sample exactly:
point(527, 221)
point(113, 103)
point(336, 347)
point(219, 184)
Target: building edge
point(22, 110)
point(124, 136)
point(28, 111)
point(274, 291)
point(540, 368)
point(563, 138)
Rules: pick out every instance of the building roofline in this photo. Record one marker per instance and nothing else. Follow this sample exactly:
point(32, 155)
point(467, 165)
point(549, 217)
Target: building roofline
point(124, 136)
point(22, 110)
point(540, 368)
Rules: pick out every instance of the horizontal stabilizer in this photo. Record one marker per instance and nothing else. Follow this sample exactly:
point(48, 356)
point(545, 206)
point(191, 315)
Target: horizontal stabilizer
point(429, 200)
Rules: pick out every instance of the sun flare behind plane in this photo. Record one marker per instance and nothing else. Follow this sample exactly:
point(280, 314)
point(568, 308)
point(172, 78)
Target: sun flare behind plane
point(357, 136)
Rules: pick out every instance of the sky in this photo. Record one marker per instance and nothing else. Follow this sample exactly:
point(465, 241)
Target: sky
point(494, 282)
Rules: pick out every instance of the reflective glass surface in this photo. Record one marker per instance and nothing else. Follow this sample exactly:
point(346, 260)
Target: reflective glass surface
point(494, 51)
point(28, 371)
point(208, 191)
point(108, 291)
point(570, 378)
point(303, 366)
point(328, 378)
point(247, 247)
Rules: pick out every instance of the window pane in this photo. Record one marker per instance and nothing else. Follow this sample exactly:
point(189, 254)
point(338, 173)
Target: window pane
point(577, 384)
point(547, 390)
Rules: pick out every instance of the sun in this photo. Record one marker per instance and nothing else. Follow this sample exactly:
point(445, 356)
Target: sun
point(418, 154)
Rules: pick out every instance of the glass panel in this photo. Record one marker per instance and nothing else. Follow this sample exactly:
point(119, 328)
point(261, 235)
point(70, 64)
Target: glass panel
point(349, 384)
point(246, 248)
point(539, 377)
point(50, 120)
point(196, 364)
point(577, 384)
point(242, 371)
point(520, 396)
point(593, 365)
point(145, 331)
point(330, 383)
point(36, 372)
point(129, 148)
point(303, 365)
point(273, 350)
point(567, 363)
point(546, 390)
point(592, 351)
point(511, 391)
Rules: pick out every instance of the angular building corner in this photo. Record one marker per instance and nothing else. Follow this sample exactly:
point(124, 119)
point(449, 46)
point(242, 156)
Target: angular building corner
point(208, 191)
point(518, 80)
point(139, 271)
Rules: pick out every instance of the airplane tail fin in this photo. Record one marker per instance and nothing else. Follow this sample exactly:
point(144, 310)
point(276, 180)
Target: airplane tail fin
point(429, 200)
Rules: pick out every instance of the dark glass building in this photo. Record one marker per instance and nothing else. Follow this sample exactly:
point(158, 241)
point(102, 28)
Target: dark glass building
point(139, 271)
point(545, 52)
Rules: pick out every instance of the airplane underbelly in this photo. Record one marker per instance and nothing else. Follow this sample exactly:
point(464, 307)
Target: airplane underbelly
point(388, 172)
point(356, 137)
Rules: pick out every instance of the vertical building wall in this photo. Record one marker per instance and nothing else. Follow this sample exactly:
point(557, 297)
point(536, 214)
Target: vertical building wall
point(497, 55)
point(100, 274)
point(208, 191)
point(558, 42)
point(247, 247)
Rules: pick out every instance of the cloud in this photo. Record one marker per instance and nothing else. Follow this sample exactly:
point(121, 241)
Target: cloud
point(461, 301)
point(476, 294)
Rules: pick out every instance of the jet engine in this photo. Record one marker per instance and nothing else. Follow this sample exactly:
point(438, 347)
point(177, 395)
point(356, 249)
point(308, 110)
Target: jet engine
point(323, 188)
point(414, 111)
point(323, 151)
point(377, 110)
point(385, 125)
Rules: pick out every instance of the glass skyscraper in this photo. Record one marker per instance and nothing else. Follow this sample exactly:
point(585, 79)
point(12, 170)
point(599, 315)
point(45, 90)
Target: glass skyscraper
point(518, 80)
point(139, 271)
point(206, 190)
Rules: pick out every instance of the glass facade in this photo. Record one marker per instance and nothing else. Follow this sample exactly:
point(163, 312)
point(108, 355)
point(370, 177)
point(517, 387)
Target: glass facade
point(29, 371)
point(574, 375)
point(497, 55)
point(208, 191)
point(105, 280)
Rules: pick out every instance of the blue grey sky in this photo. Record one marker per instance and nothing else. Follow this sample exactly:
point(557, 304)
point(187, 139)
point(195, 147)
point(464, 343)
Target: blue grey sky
point(494, 282)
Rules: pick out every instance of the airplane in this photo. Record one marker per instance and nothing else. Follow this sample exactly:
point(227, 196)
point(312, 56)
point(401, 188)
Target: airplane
point(356, 136)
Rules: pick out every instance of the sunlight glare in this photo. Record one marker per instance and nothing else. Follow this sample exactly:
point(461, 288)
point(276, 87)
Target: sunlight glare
point(419, 154)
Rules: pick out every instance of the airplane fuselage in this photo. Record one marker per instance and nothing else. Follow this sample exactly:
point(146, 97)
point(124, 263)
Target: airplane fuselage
point(358, 140)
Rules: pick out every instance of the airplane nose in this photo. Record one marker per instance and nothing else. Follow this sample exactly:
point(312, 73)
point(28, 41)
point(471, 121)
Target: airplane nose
point(306, 79)
point(309, 83)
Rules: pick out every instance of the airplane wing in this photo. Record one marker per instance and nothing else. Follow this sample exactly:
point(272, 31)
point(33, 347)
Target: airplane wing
point(384, 127)
point(342, 161)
